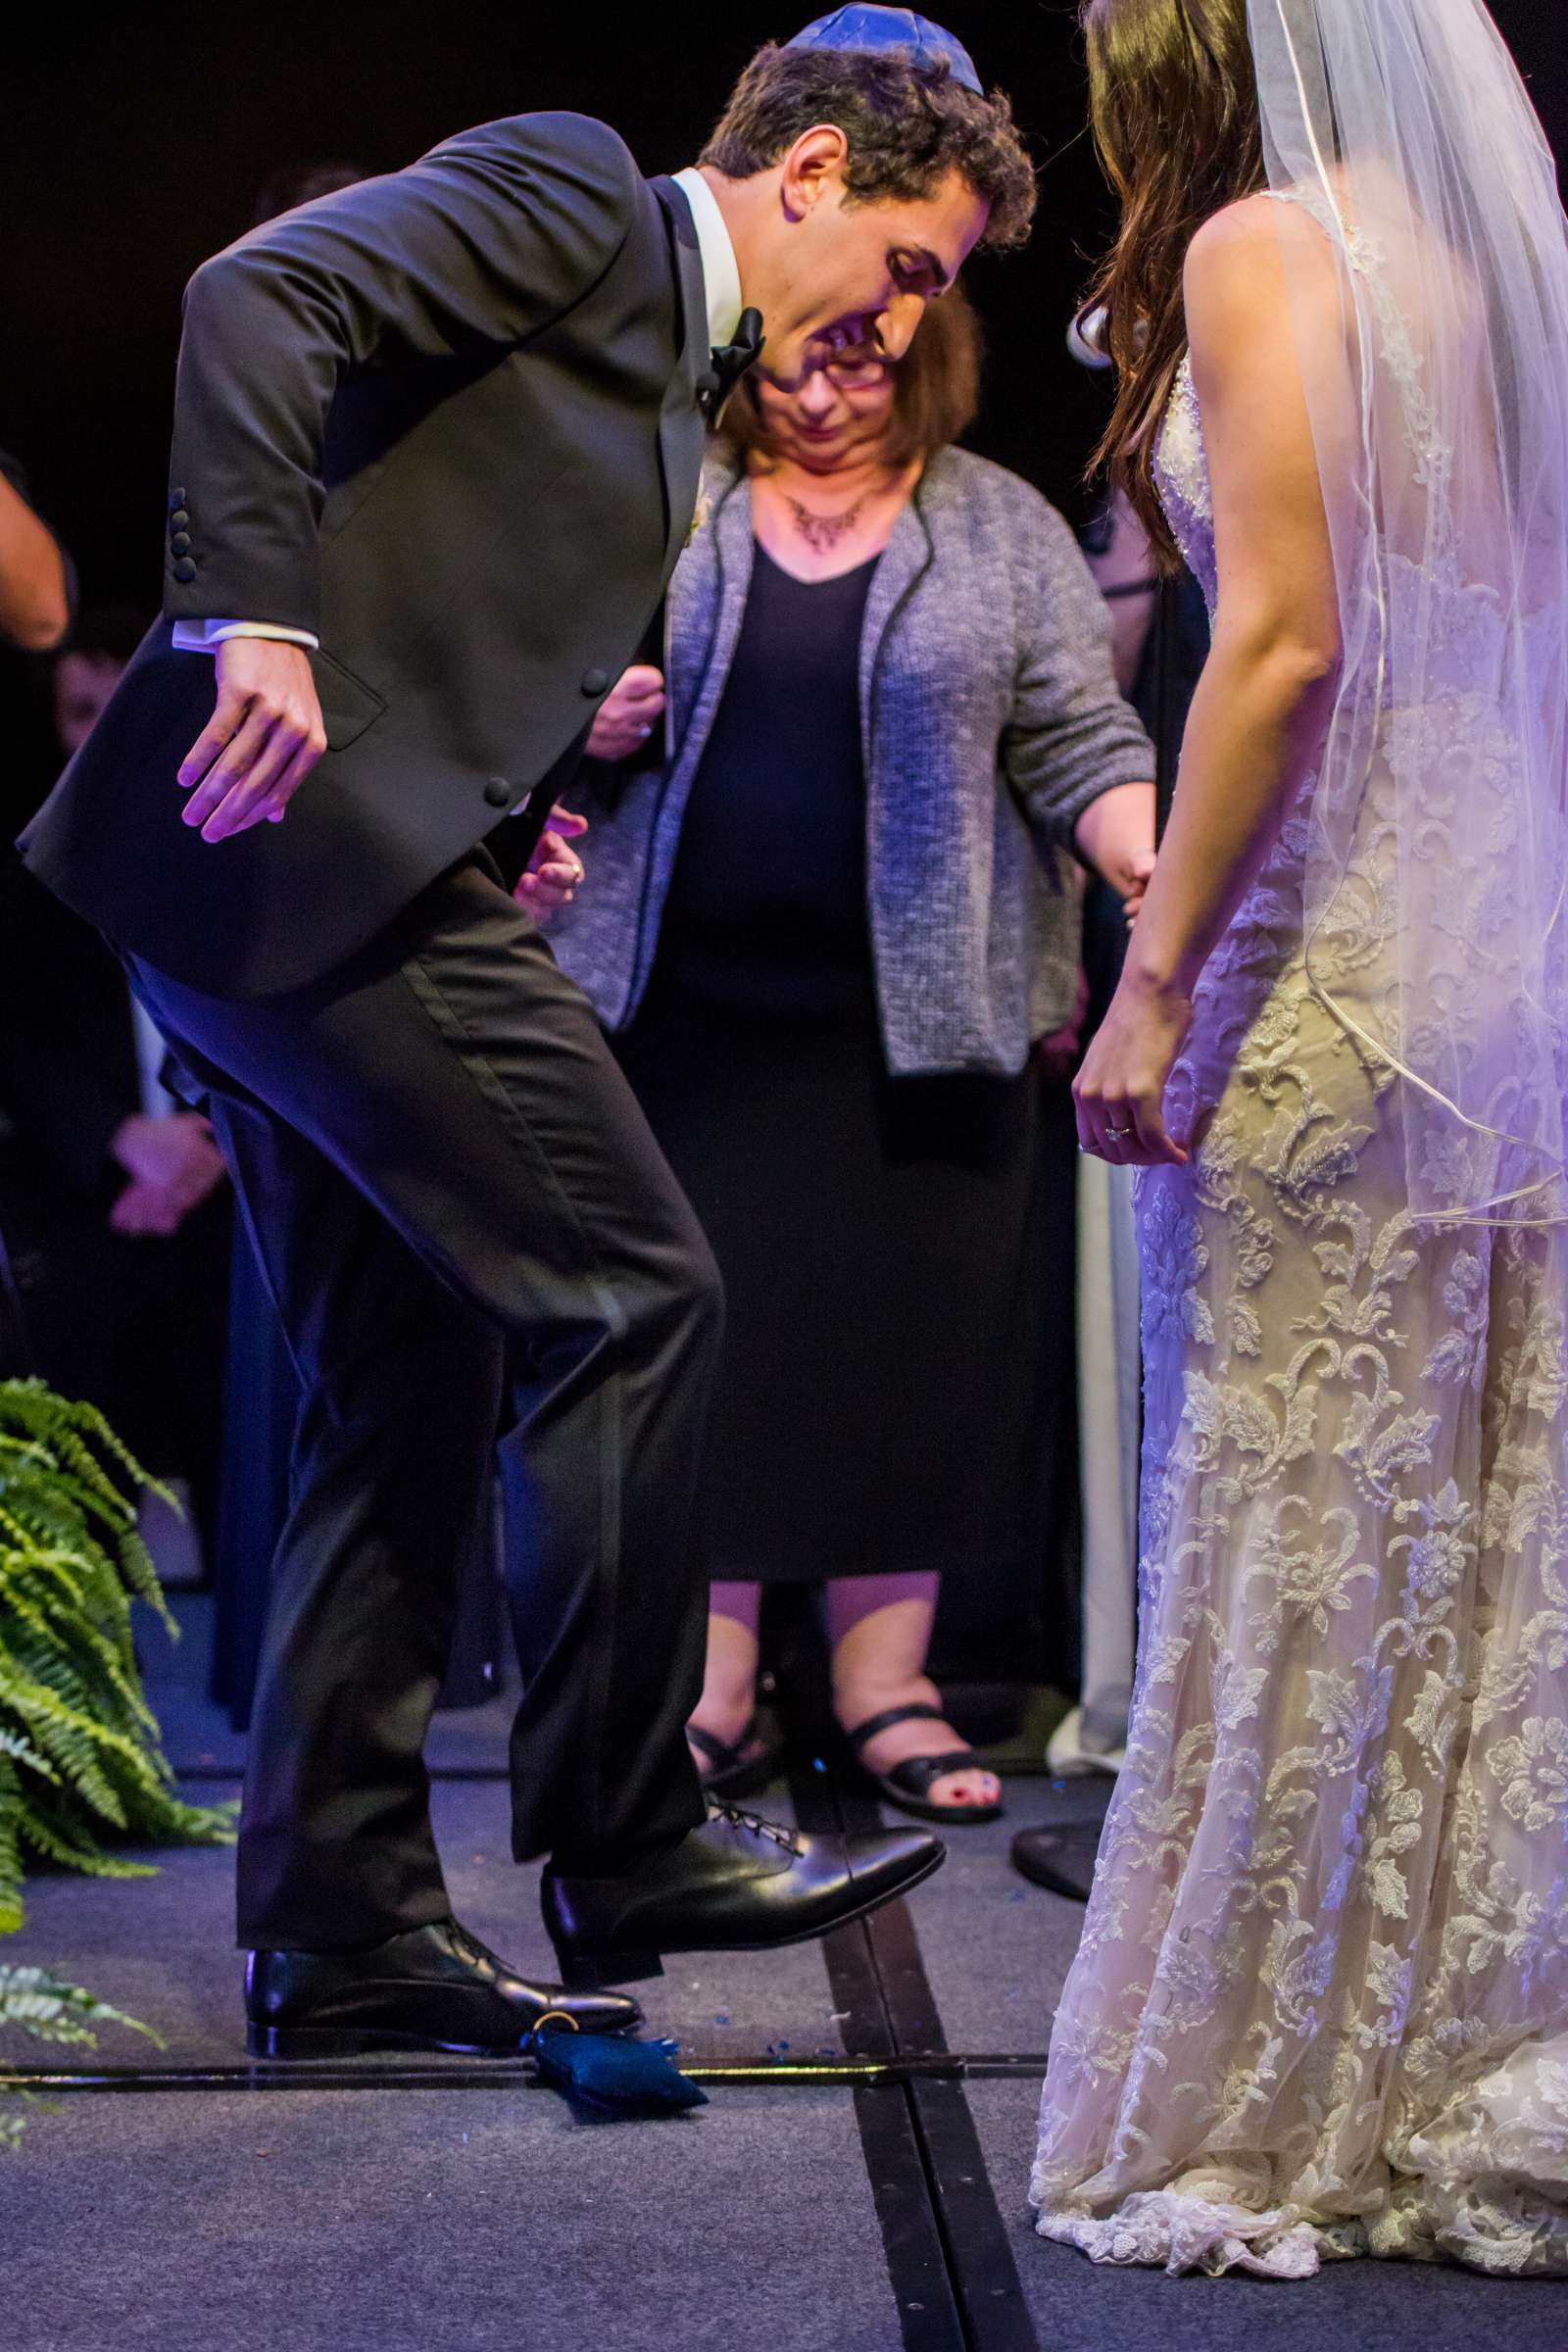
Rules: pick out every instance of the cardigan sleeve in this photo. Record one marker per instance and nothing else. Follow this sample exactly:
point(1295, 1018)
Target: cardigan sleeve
point(1071, 736)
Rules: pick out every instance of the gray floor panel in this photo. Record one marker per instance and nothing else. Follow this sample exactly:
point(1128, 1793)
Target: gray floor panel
point(442, 2222)
point(997, 1949)
point(1079, 2306)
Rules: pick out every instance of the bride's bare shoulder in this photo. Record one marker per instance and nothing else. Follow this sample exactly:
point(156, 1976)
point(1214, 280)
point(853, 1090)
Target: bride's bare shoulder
point(1257, 234)
point(1248, 259)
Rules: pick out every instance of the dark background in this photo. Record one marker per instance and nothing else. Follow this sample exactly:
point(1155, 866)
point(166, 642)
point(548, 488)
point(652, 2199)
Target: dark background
point(134, 140)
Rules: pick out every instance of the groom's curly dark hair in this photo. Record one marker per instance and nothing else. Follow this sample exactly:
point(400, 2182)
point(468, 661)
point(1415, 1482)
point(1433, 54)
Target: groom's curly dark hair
point(907, 124)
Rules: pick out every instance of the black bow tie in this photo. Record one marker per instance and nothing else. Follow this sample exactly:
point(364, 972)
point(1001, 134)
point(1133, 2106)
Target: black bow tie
point(728, 362)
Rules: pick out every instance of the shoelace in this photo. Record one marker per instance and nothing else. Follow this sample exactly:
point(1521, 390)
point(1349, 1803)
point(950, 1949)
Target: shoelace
point(472, 1950)
point(718, 1810)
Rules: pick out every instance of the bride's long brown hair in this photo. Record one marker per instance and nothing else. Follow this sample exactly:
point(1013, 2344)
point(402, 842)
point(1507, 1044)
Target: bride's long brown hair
point(1173, 104)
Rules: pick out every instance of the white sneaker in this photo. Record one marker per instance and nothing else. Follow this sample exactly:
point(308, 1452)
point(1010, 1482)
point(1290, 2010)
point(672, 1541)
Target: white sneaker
point(1074, 1750)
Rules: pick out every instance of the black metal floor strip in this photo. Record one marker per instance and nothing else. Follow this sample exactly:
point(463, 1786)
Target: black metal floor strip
point(918, 2270)
point(233, 1774)
point(878, 1975)
point(504, 2074)
point(985, 2276)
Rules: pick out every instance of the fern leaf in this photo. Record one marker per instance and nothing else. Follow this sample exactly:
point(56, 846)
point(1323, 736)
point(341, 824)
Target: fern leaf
point(82, 1765)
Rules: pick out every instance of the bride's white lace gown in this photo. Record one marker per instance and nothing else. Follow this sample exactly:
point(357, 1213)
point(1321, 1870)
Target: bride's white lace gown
point(1321, 2002)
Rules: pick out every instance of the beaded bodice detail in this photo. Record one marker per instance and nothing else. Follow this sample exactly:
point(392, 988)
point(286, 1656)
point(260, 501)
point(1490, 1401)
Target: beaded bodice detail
point(1180, 476)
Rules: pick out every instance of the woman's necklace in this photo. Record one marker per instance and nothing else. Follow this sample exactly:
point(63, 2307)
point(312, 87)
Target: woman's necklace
point(822, 532)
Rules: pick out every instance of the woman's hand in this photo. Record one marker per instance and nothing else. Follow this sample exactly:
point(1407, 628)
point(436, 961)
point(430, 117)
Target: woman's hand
point(628, 714)
point(1119, 1093)
point(555, 870)
point(172, 1163)
point(1116, 835)
point(1140, 869)
point(1057, 1053)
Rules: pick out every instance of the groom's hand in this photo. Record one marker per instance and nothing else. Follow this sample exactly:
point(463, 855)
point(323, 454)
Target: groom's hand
point(260, 743)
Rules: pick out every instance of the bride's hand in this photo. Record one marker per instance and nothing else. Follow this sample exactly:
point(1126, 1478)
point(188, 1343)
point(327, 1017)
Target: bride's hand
point(1119, 1091)
point(555, 870)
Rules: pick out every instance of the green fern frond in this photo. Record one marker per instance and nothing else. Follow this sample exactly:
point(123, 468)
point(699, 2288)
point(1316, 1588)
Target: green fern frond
point(41, 2004)
point(36, 2002)
point(10, 1847)
point(13, 1746)
point(83, 1771)
point(81, 1763)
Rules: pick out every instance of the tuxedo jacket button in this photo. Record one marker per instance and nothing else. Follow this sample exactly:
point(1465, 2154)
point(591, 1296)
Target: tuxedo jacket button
point(179, 519)
point(499, 792)
point(181, 543)
point(185, 570)
point(596, 681)
point(176, 498)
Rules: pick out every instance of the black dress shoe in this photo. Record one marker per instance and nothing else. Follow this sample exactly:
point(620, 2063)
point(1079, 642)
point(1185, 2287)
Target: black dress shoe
point(432, 1988)
point(1063, 1860)
point(736, 1884)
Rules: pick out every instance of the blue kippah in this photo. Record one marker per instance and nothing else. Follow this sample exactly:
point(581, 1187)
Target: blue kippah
point(874, 28)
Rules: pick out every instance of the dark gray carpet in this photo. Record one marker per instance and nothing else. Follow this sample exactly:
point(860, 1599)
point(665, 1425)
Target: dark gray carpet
point(175, 1674)
point(1079, 2306)
point(459, 2220)
point(441, 2222)
point(199, 1738)
point(162, 1948)
point(997, 1949)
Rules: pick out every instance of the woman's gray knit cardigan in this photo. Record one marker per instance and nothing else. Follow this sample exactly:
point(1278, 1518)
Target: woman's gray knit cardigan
point(990, 719)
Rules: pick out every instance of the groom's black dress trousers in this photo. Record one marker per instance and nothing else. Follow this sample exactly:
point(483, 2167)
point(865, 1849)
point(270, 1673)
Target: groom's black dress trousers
point(448, 421)
point(458, 1208)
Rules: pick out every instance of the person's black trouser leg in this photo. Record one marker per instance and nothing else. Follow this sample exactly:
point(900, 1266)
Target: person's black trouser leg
point(444, 1169)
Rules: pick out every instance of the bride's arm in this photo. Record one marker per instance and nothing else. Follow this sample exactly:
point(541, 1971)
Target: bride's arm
point(1266, 688)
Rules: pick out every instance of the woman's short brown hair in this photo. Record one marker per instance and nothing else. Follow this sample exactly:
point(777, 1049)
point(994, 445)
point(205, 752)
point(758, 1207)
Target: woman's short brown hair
point(935, 387)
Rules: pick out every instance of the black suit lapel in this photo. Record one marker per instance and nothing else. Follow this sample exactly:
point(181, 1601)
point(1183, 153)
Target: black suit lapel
point(682, 433)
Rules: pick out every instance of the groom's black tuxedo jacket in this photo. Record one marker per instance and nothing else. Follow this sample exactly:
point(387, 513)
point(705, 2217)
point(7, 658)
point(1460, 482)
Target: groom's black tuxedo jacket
point(448, 421)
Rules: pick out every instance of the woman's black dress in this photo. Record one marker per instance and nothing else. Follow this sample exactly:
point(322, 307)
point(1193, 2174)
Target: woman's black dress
point(899, 1282)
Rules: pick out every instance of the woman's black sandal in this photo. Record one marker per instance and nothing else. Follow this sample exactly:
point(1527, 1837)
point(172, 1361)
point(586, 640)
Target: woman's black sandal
point(727, 1768)
point(909, 1784)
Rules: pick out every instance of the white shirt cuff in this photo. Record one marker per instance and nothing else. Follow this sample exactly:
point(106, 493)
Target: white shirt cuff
point(205, 636)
